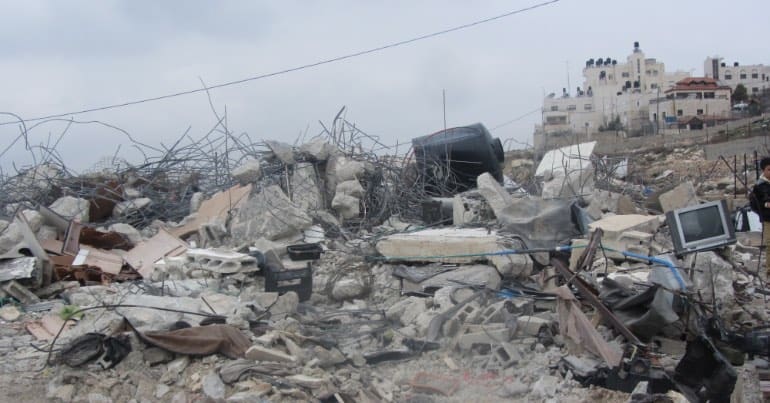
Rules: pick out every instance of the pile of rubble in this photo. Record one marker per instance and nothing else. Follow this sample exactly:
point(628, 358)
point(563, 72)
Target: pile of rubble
point(309, 276)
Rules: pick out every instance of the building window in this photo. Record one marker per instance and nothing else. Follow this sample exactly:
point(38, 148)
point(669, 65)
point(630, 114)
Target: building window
point(728, 75)
point(554, 107)
point(699, 112)
point(653, 86)
point(663, 115)
point(587, 107)
point(754, 74)
point(679, 112)
point(708, 95)
point(755, 89)
point(610, 77)
point(556, 120)
point(571, 107)
point(655, 72)
point(624, 74)
point(743, 74)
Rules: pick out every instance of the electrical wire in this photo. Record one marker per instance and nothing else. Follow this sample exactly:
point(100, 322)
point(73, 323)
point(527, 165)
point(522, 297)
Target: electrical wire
point(293, 69)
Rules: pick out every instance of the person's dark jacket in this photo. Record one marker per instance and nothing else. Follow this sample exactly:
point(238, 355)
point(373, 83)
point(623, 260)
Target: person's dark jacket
point(762, 193)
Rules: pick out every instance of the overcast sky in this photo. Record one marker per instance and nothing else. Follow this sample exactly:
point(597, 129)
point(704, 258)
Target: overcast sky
point(64, 56)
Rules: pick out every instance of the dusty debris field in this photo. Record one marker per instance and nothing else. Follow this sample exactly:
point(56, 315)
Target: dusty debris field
point(316, 273)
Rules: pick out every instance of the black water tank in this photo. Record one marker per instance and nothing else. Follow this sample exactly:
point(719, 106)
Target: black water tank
point(467, 152)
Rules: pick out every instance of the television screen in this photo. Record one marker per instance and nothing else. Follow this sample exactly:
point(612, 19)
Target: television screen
point(701, 224)
point(702, 227)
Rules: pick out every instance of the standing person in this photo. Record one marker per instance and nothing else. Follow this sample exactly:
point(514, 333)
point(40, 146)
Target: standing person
point(761, 192)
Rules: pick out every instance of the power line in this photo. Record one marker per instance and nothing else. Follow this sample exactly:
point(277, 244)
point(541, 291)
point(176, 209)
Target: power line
point(516, 119)
point(293, 69)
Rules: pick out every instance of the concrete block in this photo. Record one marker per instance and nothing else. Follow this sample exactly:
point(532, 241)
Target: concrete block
point(434, 244)
point(495, 195)
point(468, 314)
point(347, 206)
point(71, 208)
point(318, 149)
point(505, 355)
point(483, 334)
point(495, 313)
point(631, 241)
point(681, 196)
point(131, 233)
point(248, 172)
point(20, 292)
point(614, 226)
point(350, 188)
point(531, 325)
point(259, 353)
point(512, 265)
point(220, 261)
point(284, 152)
point(305, 191)
point(128, 207)
point(269, 214)
point(470, 210)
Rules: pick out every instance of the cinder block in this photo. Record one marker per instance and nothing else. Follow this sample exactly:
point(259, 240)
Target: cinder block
point(484, 334)
point(221, 261)
point(505, 355)
point(20, 292)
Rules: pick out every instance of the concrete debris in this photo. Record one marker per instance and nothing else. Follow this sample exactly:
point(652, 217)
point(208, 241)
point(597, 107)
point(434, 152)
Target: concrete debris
point(678, 197)
point(71, 208)
point(410, 292)
point(269, 214)
point(248, 172)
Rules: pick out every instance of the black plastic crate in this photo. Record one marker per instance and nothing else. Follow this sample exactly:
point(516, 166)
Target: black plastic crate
point(283, 281)
point(304, 251)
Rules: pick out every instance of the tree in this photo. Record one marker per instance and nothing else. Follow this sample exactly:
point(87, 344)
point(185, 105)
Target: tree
point(740, 94)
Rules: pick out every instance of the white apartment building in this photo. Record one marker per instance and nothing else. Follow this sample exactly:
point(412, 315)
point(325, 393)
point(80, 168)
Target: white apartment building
point(610, 91)
point(754, 77)
point(691, 104)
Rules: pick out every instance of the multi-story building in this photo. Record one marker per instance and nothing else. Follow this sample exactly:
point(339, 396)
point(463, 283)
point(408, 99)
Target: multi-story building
point(613, 95)
point(755, 78)
point(692, 103)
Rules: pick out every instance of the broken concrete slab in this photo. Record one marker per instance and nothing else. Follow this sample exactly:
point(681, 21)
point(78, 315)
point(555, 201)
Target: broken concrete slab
point(144, 255)
point(71, 208)
point(496, 196)
point(346, 206)
point(614, 226)
point(350, 188)
point(269, 214)
point(574, 183)
point(305, 191)
point(17, 269)
point(129, 207)
point(681, 196)
point(445, 245)
point(128, 231)
point(249, 171)
point(215, 209)
point(284, 152)
point(713, 278)
point(319, 149)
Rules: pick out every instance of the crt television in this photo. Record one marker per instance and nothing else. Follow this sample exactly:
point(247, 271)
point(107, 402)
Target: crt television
point(702, 227)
